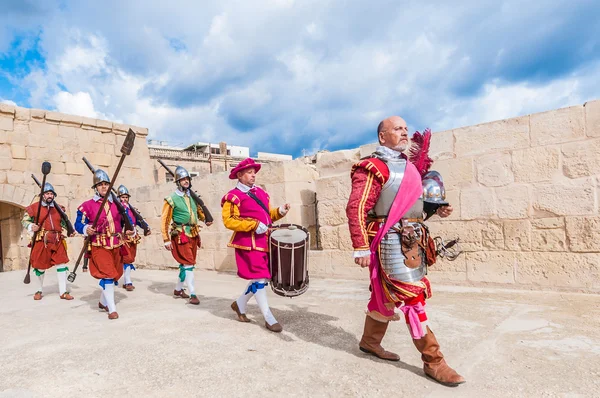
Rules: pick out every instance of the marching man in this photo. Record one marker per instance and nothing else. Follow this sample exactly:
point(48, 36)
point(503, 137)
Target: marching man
point(131, 242)
point(181, 232)
point(50, 249)
point(247, 212)
point(106, 261)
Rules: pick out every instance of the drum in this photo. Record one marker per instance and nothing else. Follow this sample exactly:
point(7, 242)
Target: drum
point(288, 259)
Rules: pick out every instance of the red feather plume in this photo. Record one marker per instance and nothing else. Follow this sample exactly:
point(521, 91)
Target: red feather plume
point(419, 151)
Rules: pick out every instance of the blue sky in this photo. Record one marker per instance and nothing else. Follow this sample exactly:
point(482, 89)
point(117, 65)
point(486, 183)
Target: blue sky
point(292, 76)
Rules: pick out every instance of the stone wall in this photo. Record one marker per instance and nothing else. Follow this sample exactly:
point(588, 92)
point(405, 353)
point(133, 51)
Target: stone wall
point(290, 182)
point(526, 198)
point(525, 193)
point(30, 136)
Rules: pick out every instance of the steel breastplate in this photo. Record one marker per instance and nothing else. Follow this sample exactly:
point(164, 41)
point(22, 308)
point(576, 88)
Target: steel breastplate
point(391, 256)
point(391, 187)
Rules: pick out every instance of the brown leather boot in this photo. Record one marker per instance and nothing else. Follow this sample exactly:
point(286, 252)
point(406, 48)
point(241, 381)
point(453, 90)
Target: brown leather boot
point(194, 300)
point(102, 307)
point(113, 315)
point(180, 294)
point(371, 340)
point(434, 364)
point(241, 317)
point(37, 296)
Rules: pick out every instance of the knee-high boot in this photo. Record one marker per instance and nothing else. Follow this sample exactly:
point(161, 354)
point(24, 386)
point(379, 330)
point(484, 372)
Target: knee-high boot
point(371, 340)
point(434, 364)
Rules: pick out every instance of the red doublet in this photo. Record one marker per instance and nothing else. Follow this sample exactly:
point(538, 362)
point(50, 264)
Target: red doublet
point(368, 177)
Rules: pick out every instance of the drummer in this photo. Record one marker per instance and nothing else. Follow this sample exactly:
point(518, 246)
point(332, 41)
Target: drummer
point(247, 212)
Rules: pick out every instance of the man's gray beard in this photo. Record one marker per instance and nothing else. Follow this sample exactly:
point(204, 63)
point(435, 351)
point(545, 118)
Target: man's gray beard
point(400, 148)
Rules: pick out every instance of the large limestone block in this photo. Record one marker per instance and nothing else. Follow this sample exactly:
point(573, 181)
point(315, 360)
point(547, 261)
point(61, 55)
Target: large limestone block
point(343, 266)
point(5, 152)
point(469, 232)
point(319, 262)
point(38, 114)
point(215, 240)
point(557, 126)
point(76, 169)
point(18, 151)
point(583, 233)
point(477, 203)
point(517, 235)
point(225, 260)
point(332, 213)
point(592, 118)
point(492, 235)
point(452, 197)
point(299, 192)
point(571, 197)
point(14, 177)
point(23, 114)
point(492, 137)
point(3, 177)
point(101, 159)
point(457, 265)
point(494, 170)
point(44, 130)
point(336, 163)
point(513, 201)
point(345, 242)
point(20, 165)
point(7, 109)
point(68, 132)
point(535, 164)
point(21, 134)
point(495, 267)
point(548, 240)
point(329, 237)
point(333, 188)
point(298, 171)
point(574, 270)
point(104, 126)
point(442, 145)
point(548, 223)
point(581, 159)
point(455, 172)
point(6, 122)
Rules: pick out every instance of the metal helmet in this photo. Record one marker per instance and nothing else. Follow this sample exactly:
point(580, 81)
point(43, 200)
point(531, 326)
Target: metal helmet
point(181, 173)
point(433, 188)
point(123, 191)
point(100, 176)
point(49, 188)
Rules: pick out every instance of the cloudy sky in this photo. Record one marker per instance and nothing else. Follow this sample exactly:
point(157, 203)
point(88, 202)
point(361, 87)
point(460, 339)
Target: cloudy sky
point(296, 76)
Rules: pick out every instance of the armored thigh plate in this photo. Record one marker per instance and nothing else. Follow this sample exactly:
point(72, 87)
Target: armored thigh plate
point(393, 259)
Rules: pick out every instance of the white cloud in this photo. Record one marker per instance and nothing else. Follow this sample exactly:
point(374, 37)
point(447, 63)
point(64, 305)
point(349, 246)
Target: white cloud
point(282, 75)
point(76, 104)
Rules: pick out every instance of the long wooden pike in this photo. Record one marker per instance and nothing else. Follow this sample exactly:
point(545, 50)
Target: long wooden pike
point(125, 150)
point(46, 167)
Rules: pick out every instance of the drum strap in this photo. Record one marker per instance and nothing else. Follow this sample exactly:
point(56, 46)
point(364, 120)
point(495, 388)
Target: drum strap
point(260, 203)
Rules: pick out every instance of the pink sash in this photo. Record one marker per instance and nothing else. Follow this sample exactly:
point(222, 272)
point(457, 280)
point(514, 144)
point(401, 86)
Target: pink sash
point(410, 191)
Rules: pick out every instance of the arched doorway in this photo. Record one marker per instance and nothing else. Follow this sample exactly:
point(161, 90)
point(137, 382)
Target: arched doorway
point(13, 239)
point(10, 237)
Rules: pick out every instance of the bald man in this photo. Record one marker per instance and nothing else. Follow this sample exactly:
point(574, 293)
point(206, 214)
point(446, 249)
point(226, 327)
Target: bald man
point(385, 217)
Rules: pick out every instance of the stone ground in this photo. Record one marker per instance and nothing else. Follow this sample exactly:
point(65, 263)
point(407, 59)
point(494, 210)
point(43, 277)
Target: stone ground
point(506, 343)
